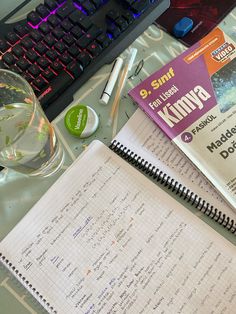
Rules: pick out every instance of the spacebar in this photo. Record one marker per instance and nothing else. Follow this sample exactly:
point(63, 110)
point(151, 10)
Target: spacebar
point(56, 87)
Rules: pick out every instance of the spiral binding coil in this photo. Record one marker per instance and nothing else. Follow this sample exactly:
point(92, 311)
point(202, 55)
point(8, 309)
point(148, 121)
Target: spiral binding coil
point(27, 284)
point(173, 185)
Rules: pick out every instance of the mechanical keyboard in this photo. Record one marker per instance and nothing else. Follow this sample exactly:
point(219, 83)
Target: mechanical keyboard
point(61, 44)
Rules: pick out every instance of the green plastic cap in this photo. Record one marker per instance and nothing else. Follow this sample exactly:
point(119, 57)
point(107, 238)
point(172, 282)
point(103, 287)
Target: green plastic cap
point(81, 121)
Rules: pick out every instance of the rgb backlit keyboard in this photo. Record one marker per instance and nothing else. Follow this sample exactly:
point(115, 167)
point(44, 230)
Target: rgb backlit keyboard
point(62, 43)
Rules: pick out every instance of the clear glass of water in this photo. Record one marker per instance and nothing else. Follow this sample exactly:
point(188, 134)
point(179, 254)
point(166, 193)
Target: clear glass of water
point(28, 143)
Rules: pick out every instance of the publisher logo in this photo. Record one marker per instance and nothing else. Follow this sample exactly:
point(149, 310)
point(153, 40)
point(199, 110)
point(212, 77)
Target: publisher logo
point(186, 137)
point(223, 52)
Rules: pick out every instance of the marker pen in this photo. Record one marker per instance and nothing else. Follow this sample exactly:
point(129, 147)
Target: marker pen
point(106, 94)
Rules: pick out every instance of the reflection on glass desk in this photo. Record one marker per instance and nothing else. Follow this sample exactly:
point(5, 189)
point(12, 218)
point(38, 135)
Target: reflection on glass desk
point(18, 193)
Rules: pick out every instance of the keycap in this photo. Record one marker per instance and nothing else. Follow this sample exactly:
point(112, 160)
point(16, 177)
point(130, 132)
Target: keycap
point(95, 31)
point(121, 23)
point(65, 58)
point(66, 25)
point(65, 10)
point(48, 74)
point(21, 30)
point(40, 48)
point(28, 77)
point(60, 47)
point(56, 67)
point(75, 17)
point(45, 28)
point(3, 45)
point(43, 62)
point(139, 6)
point(113, 30)
point(34, 70)
point(68, 39)
point(35, 35)
point(33, 18)
point(84, 22)
point(97, 3)
point(73, 51)
point(94, 49)
point(42, 11)
point(12, 38)
point(89, 7)
point(23, 64)
point(9, 58)
point(52, 55)
point(76, 31)
point(31, 55)
point(53, 20)
point(113, 15)
point(15, 69)
point(58, 33)
point(18, 51)
point(49, 40)
point(84, 59)
point(27, 43)
point(50, 4)
point(103, 40)
point(84, 40)
point(40, 82)
point(75, 69)
point(128, 17)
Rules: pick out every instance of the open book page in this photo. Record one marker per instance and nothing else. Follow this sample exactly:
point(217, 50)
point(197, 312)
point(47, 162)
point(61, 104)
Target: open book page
point(105, 239)
point(144, 138)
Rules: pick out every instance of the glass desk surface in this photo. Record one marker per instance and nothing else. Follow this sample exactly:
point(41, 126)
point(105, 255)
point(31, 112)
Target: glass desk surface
point(18, 193)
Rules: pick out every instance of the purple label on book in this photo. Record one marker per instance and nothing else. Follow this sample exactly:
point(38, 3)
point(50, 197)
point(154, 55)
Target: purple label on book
point(177, 95)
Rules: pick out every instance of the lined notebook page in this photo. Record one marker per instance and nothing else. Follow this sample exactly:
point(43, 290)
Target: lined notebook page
point(105, 239)
point(144, 138)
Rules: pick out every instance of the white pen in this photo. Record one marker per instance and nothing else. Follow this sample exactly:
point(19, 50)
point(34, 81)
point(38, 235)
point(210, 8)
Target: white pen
point(124, 75)
point(106, 94)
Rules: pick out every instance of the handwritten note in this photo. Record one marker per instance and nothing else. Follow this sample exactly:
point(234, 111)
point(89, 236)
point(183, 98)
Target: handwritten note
point(105, 239)
point(144, 138)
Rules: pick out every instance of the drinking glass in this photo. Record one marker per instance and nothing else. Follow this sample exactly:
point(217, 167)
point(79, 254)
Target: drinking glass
point(28, 143)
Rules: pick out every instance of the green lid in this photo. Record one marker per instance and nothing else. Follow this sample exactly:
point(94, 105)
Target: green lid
point(81, 120)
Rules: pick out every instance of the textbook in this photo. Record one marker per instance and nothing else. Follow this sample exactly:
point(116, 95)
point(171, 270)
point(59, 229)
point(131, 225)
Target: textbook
point(106, 239)
point(192, 99)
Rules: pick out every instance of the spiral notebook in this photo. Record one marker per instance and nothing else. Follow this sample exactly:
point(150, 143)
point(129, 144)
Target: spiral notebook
point(106, 239)
point(141, 137)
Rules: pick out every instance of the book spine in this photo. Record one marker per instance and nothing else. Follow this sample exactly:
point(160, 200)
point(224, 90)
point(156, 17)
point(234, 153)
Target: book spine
point(23, 280)
point(173, 185)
